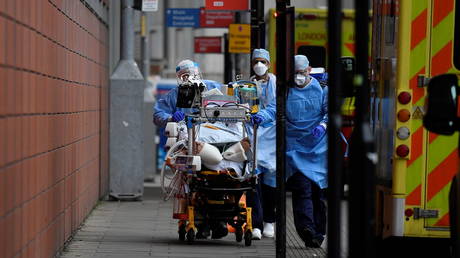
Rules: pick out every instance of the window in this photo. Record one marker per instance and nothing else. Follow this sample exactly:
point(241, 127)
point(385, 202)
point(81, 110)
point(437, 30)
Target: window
point(316, 55)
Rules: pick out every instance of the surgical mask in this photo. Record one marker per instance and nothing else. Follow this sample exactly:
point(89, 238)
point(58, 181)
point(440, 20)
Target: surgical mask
point(300, 79)
point(260, 69)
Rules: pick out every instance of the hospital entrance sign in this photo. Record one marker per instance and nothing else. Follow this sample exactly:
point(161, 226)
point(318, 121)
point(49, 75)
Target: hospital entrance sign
point(183, 17)
point(239, 38)
point(216, 19)
point(234, 5)
point(208, 44)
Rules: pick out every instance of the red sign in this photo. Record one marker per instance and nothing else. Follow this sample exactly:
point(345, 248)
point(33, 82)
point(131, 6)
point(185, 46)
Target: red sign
point(208, 45)
point(216, 19)
point(236, 5)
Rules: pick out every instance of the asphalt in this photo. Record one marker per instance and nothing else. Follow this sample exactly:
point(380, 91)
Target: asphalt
point(146, 229)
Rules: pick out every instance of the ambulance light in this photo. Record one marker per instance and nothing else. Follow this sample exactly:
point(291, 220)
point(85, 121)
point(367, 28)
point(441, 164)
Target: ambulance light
point(403, 133)
point(404, 97)
point(402, 151)
point(275, 14)
point(403, 115)
point(409, 212)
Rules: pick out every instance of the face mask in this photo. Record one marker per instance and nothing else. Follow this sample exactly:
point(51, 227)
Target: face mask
point(300, 79)
point(260, 69)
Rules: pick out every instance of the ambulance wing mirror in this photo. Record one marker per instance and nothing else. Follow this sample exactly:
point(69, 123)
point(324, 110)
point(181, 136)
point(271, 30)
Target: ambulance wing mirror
point(348, 73)
point(441, 105)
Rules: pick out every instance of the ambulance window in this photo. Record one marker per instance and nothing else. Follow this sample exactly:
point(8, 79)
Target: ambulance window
point(316, 55)
point(457, 36)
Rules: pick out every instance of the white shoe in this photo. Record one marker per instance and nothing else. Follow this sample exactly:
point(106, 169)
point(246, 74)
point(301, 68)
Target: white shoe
point(269, 230)
point(256, 234)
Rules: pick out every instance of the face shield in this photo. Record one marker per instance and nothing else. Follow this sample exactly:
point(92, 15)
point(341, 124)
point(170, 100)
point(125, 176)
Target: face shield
point(187, 71)
point(190, 84)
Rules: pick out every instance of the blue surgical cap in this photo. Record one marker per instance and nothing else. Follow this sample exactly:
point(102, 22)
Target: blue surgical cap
point(301, 62)
point(186, 65)
point(260, 53)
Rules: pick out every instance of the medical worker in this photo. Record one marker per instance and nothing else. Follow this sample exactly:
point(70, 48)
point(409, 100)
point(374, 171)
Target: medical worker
point(165, 111)
point(262, 200)
point(306, 155)
point(306, 152)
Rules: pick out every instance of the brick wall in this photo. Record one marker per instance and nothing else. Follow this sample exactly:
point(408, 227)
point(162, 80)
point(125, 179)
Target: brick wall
point(53, 122)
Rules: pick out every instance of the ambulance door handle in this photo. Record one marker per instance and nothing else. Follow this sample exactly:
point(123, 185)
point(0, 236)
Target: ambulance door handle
point(422, 81)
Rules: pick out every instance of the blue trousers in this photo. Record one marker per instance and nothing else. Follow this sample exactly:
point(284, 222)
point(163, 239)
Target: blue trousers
point(262, 203)
point(253, 200)
point(269, 203)
point(308, 205)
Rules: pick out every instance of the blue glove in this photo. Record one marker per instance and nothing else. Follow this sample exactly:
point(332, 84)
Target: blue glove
point(320, 76)
point(319, 131)
point(178, 116)
point(257, 119)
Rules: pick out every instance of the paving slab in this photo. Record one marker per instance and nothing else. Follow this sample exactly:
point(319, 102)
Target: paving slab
point(146, 229)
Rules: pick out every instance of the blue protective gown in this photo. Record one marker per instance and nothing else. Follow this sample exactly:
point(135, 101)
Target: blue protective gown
point(166, 106)
point(266, 134)
point(306, 108)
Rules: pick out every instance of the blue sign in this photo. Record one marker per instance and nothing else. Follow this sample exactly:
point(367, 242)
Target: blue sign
point(182, 17)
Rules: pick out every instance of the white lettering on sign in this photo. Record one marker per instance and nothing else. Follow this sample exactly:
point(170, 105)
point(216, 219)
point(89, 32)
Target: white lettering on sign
point(149, 5)
point(218, 3)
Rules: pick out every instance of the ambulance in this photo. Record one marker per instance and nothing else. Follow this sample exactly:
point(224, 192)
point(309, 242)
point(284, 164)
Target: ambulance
point(412, 41)
point(311, 40)
point(311, 35)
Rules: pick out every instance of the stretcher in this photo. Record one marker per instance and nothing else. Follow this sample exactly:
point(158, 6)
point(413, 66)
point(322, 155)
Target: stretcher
point(208, 193)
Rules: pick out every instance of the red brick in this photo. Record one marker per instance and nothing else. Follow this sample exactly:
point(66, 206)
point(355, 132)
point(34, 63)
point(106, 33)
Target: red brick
point(33, 175)
point(33, 135)
point(24, 136)
point(17, 138)
point(16, 105)
point(26, 92)
point(26, 12)
point(17, 219)
point(26, 180)
point(9, 90)
point(10, 146)
point(38, 15)
point(3, 197)
point(39, 94)
point(3, 42)
point(32, 89)
point(19, 45)
point(3, 90)
point(31, 249)
point(10, 8)
point(10, 44)
point(3, 6)
point(9, 193)
point(25, 223)
point(38, 53)
point(39, 211)
point(19, 94)
point(3, 237)
point(17, 187)
point(9, 226)
point(26, 51)
point(3, 142)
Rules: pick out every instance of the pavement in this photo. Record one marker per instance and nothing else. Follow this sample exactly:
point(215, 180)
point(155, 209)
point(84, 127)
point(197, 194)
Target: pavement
point(146, 229)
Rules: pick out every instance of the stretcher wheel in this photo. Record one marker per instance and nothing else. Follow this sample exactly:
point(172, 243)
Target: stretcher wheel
point(182, 232)
point(190, 236)
point(239, 234)
point(248, 238)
